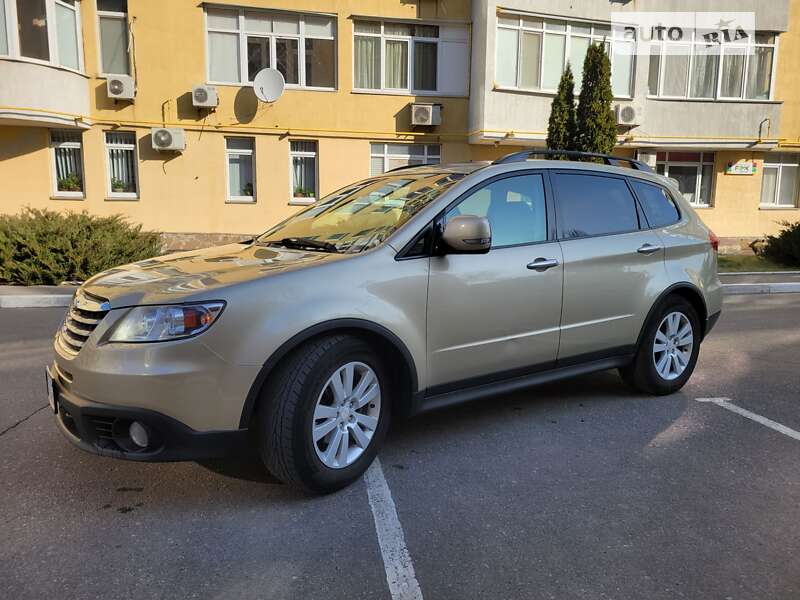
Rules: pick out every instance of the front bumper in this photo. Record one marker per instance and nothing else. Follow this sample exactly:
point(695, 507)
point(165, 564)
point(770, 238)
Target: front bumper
point(103, 429)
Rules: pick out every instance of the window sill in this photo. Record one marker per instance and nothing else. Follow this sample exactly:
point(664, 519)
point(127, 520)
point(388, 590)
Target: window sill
point(541, 92)
point(776, 207)
point(712, 100)
point(241, 200)
point(411, 93)
point(122, 197)
point(302, 201)
point(701, 206)
point(43, 63)
point(67, 197)
point(290, 87)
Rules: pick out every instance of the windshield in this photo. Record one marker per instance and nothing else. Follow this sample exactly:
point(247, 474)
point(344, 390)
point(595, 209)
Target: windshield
point(362, 215)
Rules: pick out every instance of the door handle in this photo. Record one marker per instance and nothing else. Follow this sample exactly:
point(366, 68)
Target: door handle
point(648, 249)
point(542, 264)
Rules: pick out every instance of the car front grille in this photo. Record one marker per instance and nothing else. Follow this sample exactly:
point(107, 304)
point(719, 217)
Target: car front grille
point(84, 315)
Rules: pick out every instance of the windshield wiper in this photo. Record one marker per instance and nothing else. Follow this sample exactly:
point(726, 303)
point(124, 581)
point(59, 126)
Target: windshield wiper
point(302, 242)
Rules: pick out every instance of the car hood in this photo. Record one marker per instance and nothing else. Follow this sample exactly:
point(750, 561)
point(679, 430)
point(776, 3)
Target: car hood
point(197, 274)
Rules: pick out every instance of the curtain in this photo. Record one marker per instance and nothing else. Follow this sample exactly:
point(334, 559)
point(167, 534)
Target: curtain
point(240, 174)
point(622, 68)
point(578, 47)
point(768, 185)
point(704, 72)
point(367, 62)
point(68, 162)
point(507, 42)
point(287, 53)
point(3, 34)
point(732, 71)
point(396, 64)
point(531, 59)
point(67, 37)
point(425, 65)
point(759, 74)
point(788, 192)
point(554, 48)
point(223, 56)
point(676, 66)
point(122, 161)
point(114, 45)
point(304, 177)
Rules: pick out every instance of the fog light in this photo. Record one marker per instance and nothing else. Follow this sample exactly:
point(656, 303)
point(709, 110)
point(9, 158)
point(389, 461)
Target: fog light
point(138, 434)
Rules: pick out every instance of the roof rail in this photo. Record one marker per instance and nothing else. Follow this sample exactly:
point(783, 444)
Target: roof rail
point(614, 161)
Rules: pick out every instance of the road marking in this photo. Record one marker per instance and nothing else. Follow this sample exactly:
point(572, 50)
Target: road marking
point(728, 405)
point(400, 575)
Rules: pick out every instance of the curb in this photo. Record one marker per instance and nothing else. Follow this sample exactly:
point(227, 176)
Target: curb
point(759, 273)
point(35, 301)
point(761, 288)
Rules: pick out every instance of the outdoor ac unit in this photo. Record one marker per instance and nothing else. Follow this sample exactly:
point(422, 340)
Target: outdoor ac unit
point(630, 115)
point(426, 114)
point(168, 139)
point(120, 87)
point(205, 96)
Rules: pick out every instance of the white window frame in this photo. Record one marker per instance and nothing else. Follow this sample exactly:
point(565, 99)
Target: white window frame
point(594, 37)
point(411, 40)
point(699, 167)
point(110, 193)
point(12, 35)
point(229, 152)
point(780, 163)
point(385, 155)
point(63, 194)
point(108, 14)
point(301, 37)
point(748, 47)
point(300, 201)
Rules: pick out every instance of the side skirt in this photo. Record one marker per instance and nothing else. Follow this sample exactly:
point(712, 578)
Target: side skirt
point(430, 402)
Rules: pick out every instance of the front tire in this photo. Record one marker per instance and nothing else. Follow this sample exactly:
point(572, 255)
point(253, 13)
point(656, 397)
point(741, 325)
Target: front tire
point(324, 414)
point(668, 352)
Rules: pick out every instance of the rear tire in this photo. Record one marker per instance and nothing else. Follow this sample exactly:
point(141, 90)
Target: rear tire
point(667, 354)
point(312, 402)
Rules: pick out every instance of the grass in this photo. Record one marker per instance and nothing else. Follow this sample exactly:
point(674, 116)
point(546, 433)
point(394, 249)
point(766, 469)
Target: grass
point(745, 263)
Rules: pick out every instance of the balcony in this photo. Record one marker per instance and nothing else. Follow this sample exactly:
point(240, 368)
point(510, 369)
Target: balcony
point(42, 95)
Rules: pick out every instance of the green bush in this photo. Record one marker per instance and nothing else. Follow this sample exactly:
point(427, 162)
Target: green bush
point(43, 247)
point(783, 248)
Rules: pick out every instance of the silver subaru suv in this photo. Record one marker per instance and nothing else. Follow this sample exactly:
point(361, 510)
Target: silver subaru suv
point(406, 292)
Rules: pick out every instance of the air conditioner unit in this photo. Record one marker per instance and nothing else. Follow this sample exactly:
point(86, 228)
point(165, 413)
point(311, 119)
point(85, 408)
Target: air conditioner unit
point(426, 114)
point(630, 115)
point(120, 87)
point(205, 96)
point(168, 139)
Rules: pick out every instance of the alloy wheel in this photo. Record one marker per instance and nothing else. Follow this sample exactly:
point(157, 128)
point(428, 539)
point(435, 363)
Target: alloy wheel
point(346, 415)
point(673, 344)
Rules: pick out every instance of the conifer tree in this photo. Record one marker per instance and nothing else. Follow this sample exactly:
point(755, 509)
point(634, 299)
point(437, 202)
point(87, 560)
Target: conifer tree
point(597, 125)
point(561, 129)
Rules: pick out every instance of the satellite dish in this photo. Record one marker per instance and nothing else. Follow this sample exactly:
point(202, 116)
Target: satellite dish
point(268, 85)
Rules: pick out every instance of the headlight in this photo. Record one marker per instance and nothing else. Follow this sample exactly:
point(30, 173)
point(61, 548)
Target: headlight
point(163, 323)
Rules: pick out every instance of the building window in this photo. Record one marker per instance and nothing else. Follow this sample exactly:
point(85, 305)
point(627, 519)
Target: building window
point(396, 56)
point(240, 156)
point(731, 70)
point(122, 175)
point(532, 52)
point(242, 42)
point(112, 18)
point(779, 187)
point(46, 30)
point(386, 157)
point(303, 155)
point(694, 172)
point(67, 163)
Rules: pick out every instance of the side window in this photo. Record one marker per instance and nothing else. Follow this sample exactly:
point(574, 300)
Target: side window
point(658, 207)
point(515, 207)
point(593, 205)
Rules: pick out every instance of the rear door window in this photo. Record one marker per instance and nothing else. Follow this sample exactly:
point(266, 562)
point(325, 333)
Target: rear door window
point(589, 205)
point(659, 208)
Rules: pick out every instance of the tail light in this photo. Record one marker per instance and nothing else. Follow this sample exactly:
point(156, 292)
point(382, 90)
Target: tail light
point(712, 237)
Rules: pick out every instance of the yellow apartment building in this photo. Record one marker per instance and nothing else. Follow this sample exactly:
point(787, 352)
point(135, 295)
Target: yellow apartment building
point(87, 88)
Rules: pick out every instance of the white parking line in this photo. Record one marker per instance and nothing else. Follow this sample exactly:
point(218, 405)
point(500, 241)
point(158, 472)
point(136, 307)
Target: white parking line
point(400, 575)
point(728, 405)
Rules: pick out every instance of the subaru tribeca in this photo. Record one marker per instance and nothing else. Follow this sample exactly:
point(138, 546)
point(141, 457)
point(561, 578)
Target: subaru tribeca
point(409, 291)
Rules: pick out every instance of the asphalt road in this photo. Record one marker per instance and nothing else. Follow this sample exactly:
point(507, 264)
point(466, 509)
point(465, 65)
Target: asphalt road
point(579, 489)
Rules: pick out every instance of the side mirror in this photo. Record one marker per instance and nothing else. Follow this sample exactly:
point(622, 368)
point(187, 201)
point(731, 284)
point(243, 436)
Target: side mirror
point(467, 234)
